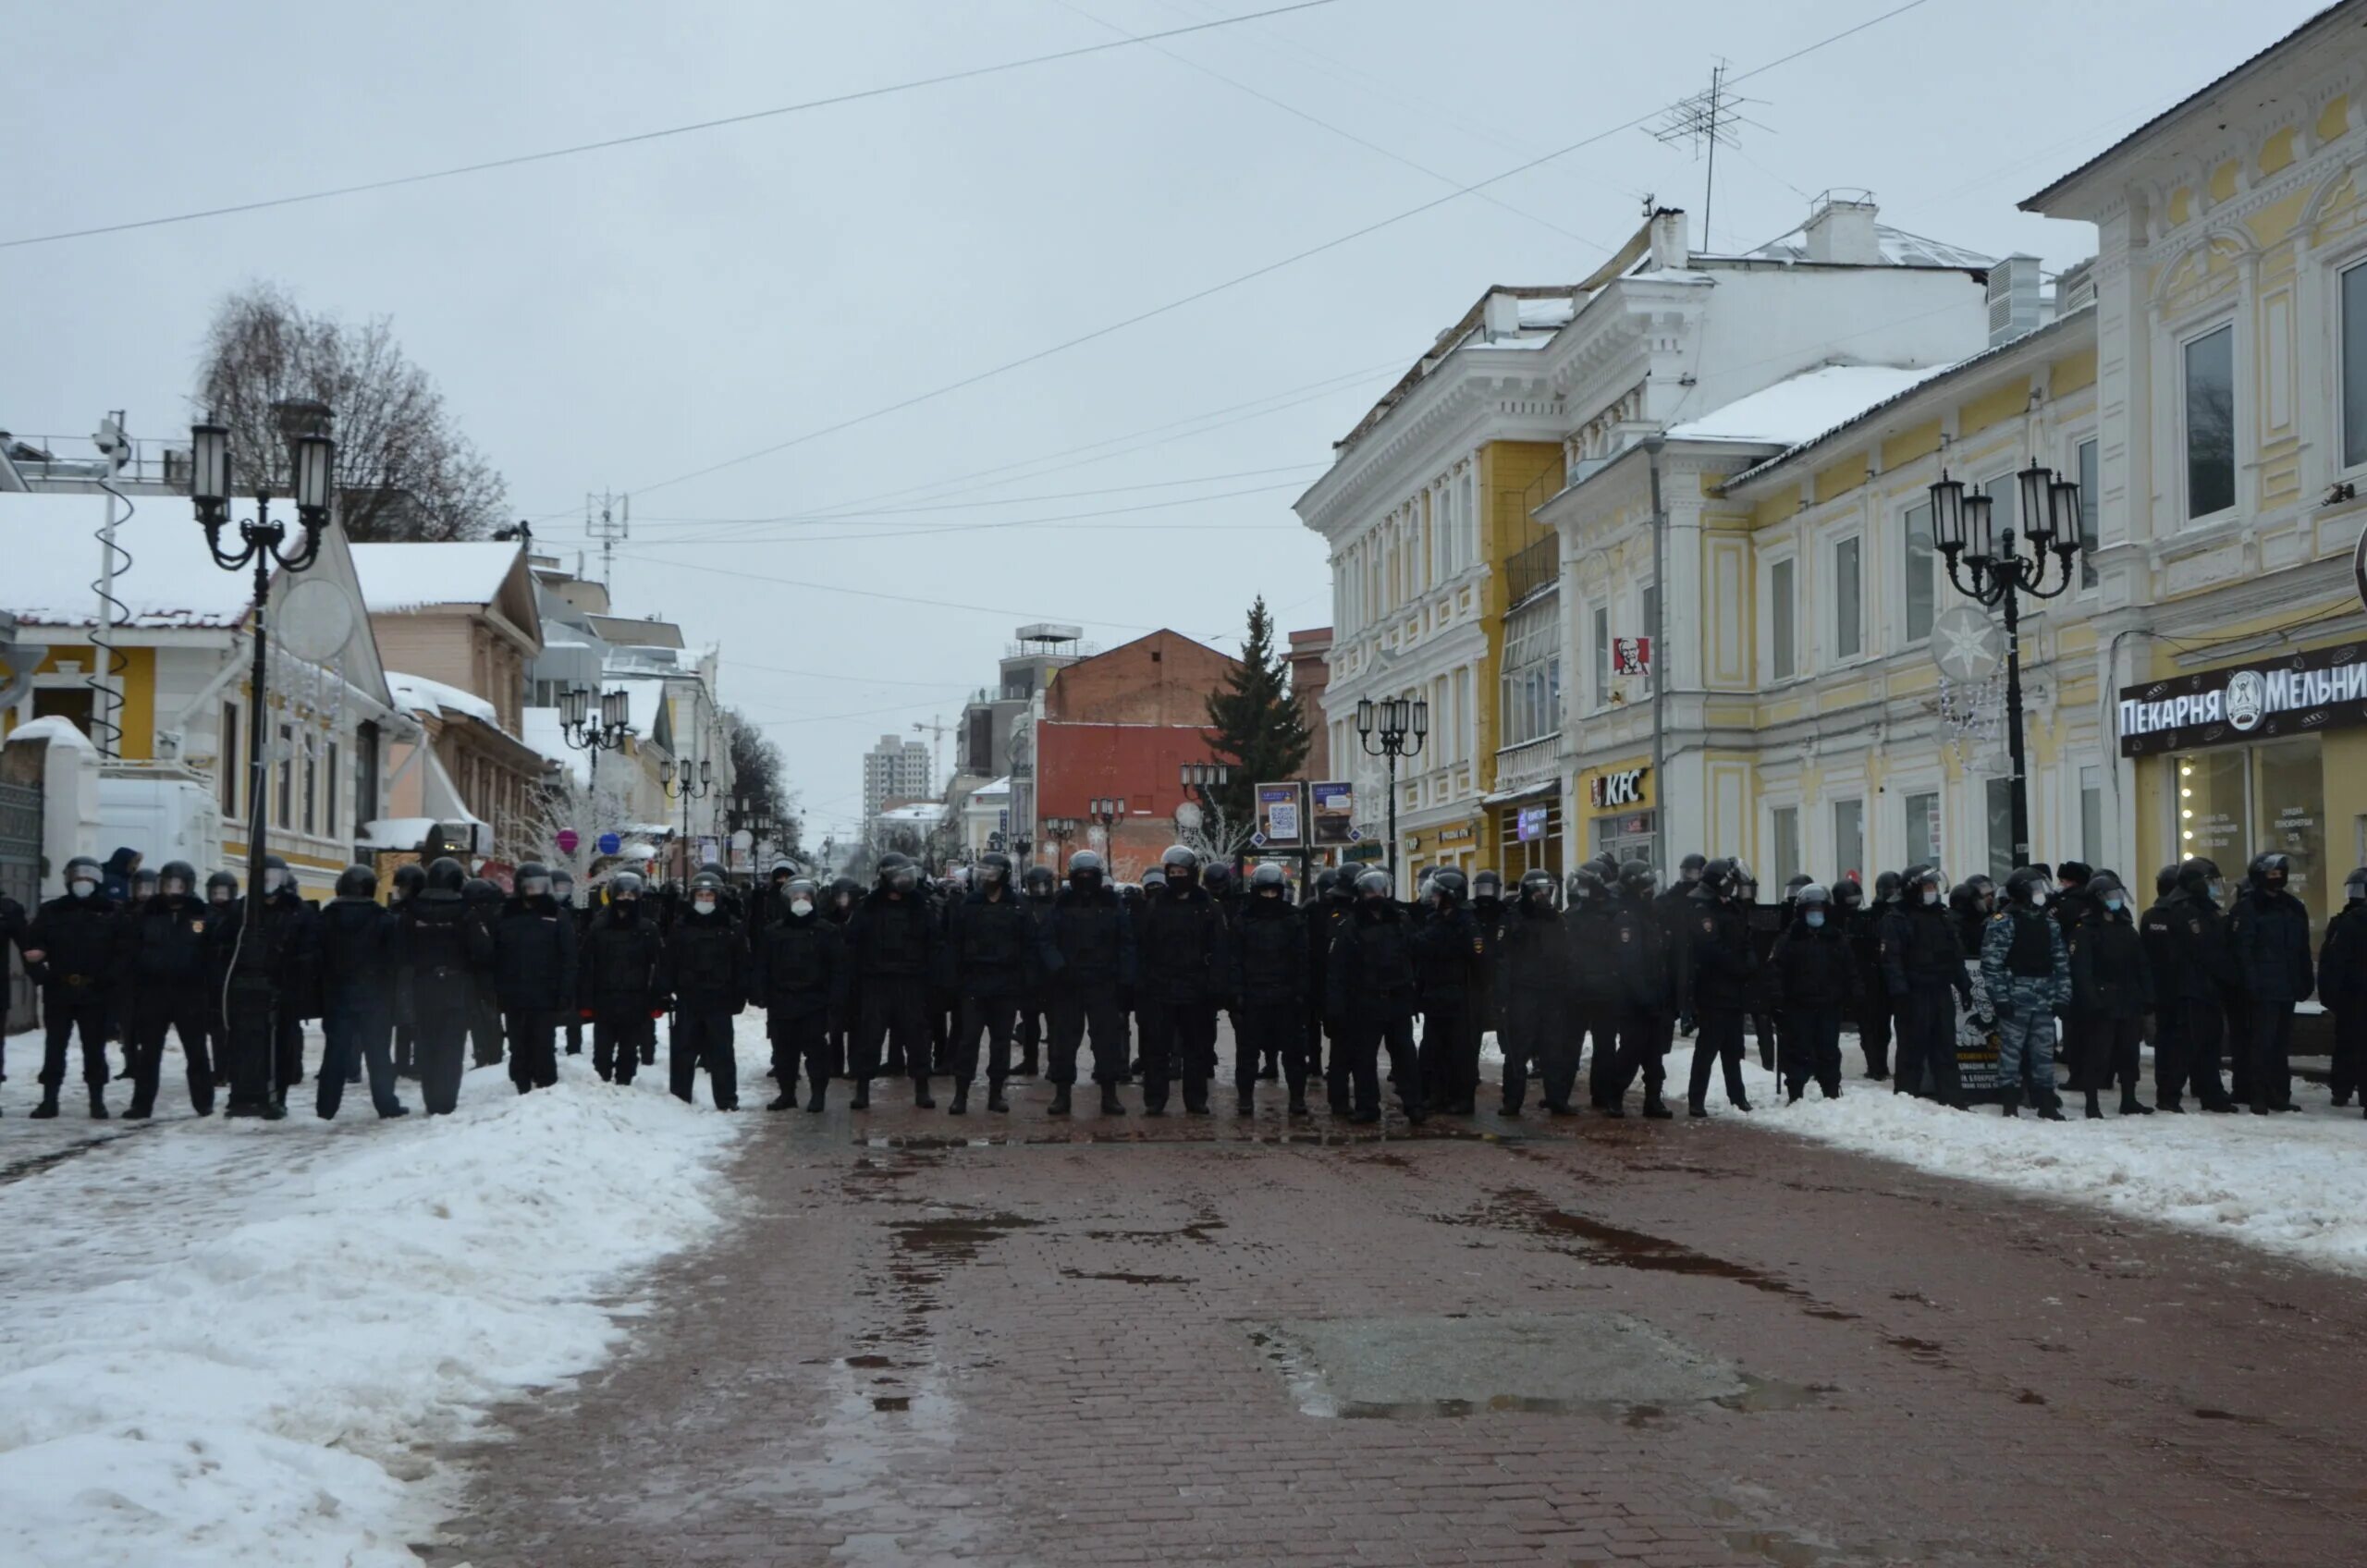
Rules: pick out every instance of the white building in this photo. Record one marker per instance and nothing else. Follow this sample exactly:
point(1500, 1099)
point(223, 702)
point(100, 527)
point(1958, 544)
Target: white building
point(895, 770)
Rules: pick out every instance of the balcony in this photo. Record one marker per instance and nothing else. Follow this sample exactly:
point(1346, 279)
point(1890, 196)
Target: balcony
point(1533, 568)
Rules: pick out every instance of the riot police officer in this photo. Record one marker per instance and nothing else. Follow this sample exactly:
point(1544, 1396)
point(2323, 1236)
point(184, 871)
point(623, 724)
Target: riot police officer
point(620, 978)
point(1446, 953)
point(1036, 890)
point(563, 893)
point(1924, 971)
point(892, 938)
point(164, 981)
point(1535, 974)
point(1371, 974)
point(2186, 950)
point(1859, 922)
point(357, 993)
point(1647, 992)
point(1185, 969)
point(1093, 952)
point(533, 976)
point(706, 979)
point(483, 897)
point(440, 946)
point(2111, 991)
point(1594, 994)
point(2342, 984)
point(993, 949)
point(2027, 970)
point(1812, 976)
point(800, 979)
point(1717, 978)
point(409, 881)
point(2270, 934)
point(1269, 981)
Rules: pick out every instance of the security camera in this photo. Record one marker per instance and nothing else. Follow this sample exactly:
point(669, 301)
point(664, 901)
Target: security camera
point(112, 442)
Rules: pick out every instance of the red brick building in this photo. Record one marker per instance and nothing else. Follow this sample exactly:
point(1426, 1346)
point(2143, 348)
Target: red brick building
point(1311, 661)
point(1120, 726)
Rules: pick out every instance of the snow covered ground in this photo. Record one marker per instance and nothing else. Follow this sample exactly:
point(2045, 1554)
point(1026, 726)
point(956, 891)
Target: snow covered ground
point(230, 1343)
point(2292, 1184)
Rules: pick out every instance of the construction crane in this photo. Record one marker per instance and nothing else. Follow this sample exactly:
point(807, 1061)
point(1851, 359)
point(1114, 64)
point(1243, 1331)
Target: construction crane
point(937, 730)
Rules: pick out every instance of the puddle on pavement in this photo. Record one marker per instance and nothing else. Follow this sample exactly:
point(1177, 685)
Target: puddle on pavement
point(1609, 1367)
point(1122, 1278)
point(862, 1363)
point(1598, 1242)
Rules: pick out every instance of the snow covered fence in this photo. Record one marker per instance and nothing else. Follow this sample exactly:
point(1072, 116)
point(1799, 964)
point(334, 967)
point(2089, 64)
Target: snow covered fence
point(240, 1343)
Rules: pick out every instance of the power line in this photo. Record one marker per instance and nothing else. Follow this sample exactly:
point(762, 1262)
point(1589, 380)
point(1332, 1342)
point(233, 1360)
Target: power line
point(740, 575)
point(548, 154)
point(1252, 274)
point(835, 516)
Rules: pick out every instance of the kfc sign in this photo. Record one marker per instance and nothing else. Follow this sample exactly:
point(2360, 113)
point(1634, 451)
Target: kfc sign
point(1623, 789)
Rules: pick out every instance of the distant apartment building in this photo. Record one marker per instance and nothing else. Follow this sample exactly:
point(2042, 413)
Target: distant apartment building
point(894, 770)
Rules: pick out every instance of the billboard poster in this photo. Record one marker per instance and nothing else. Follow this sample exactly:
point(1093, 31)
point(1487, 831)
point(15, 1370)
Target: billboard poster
point(1334, 806)
point(1278, 816)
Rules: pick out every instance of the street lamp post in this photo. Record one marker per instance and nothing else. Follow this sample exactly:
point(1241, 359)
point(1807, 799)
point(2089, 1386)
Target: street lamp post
point(1059, 829)
point(680, 785)
point(1393, 727)
point(312, 459)
point(1107, 811)
point(586, 732)
point(1998, 573)
point(1200, 777)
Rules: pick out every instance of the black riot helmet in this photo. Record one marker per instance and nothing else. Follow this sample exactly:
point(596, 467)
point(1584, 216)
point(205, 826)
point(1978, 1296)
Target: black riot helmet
point(1847, 896)
point(178, 879)
point(1585, 885)
point(480, 890)
point(1537, 887)
point(2103, 887)
point(1794, 883)
point(533, 881)
point(1922, 884)
point(625, 887)
point(1181, 864)
point(896, 871)
point(84, 877)
point(1448, 885)
point(446, 875)
point(1155, 877)
point(2270, 872)
point(357, 882)
point(2166, 880)
point(2028, 885)
point(2354, 886)
point(1084, 871)
point(221, 887)
point(783, 871)
point(1693, 866)
point(411, 878)
point(1487, 885)
point(844, 890)
point(1741, 885)
point(994, 868)
point(143, 883)
point(1887, 886)
point(1637, 879)
point(563, 884)
point(1268, 881)
point(707, 885)
point(1038, 882)
point(795, 889)
point(2198, 876)
point(1325, 880)
point(1217, 879)
point(1372, 887)
point(276, 878)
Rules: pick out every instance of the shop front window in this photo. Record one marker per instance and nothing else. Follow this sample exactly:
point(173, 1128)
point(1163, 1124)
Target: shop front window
point(2212, 808)
point(2289, 815)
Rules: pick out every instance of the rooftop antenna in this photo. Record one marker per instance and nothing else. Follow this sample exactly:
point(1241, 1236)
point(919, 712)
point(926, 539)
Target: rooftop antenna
point(607, 518)
point(1708, 120)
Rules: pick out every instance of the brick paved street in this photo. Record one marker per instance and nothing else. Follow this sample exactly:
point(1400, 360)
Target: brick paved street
point(1089, 1343)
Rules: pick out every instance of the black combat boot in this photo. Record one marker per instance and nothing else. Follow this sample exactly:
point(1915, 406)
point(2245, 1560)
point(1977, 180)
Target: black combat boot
point(994, 1096)
point(1111, 1103)
point(1060, 1105)
point(2095, 1111)
point(1654, 1110)
point(922, 1098)
point(48, 1107)
point(863, 1094)
point(99, 1103)
point(785, 1100)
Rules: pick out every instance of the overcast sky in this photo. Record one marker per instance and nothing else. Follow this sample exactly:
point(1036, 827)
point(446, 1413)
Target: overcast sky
point(615, 319)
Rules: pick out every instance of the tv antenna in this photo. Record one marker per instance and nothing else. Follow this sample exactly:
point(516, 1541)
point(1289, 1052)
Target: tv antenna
point(607, 518)
point(1709, 119)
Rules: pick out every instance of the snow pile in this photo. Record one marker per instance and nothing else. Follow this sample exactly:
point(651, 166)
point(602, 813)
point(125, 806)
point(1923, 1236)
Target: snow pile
point(421, 694)
point(50, 542)
point(1801, 406)
point(235, 1343)
point(453, 572)
point(2292, 1184)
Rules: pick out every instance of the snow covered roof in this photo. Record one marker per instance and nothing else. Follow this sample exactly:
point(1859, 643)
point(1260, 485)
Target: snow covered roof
point(409, 576)
point(993, 787)
point(1899, 249)
point(930, 811)
point(49, 560)
point(418, 694)
point(1801, 406)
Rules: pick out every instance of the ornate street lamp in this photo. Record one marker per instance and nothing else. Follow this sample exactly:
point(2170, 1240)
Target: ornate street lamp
point(1987, 565)
point(253, 995)
point(1107, 811)
point(1059, 829)
point(675, 779)
point(581, 728)
point(1393, 727)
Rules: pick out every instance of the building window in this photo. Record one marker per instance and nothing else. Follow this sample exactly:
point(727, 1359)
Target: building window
point(2091, 815)
point(2211, 422)
point(1784, 656)
point(2354, 367)
point(1924, 829)
point(2090, 514)
point(2004, 502)
point(1532, 677)
point(1849, 840)
point(1849, 594)
point(226, 761)
point(1652, 629)
point(330, 804)
point(1998, 799)
point(1459, 732)
point(1601, 655)
point(1922, 575)
point(312, 792)
point(287, 775)
point(2212, 805)
point(1785, 843)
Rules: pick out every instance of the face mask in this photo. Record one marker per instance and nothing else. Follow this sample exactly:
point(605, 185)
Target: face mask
point(2038, 898)
point(1815, 917)
point(704, 906)
point(536, 888)
point(1931, 895)
point(801, 907)
point(221, 895)
point(273, 880)
point(82, 889)
point(625, 907)
point(2112, 902)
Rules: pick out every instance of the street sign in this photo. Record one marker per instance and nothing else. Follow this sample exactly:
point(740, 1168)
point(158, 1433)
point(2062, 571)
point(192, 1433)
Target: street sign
point(1257, 841)
point(609, 843)
point(567, 839)
point(1335, 806)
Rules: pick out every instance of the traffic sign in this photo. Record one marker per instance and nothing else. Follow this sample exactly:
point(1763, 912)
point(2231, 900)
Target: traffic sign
point(567, 839)
point(1257, 841)
point(609, 843)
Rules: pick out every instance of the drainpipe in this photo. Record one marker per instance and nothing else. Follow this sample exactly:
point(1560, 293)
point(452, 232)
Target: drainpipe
point(1660, 794)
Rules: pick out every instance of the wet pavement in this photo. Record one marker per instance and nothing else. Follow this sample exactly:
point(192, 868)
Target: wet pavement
point(1012, 1339)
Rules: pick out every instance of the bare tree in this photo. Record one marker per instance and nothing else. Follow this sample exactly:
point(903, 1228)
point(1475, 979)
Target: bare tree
point(403, 469)
point(1214, 835)
point(590, 809)
point(757, 775)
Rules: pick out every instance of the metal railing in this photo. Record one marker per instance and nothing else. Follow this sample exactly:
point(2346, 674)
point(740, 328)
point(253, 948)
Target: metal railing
point(1533, 567)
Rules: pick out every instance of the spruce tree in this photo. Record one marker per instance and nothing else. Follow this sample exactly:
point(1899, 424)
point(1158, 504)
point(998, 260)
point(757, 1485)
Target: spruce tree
point(1260, 731)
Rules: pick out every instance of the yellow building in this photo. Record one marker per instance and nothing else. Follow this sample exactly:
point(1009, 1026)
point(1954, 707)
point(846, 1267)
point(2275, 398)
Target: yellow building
point(2231, 330)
